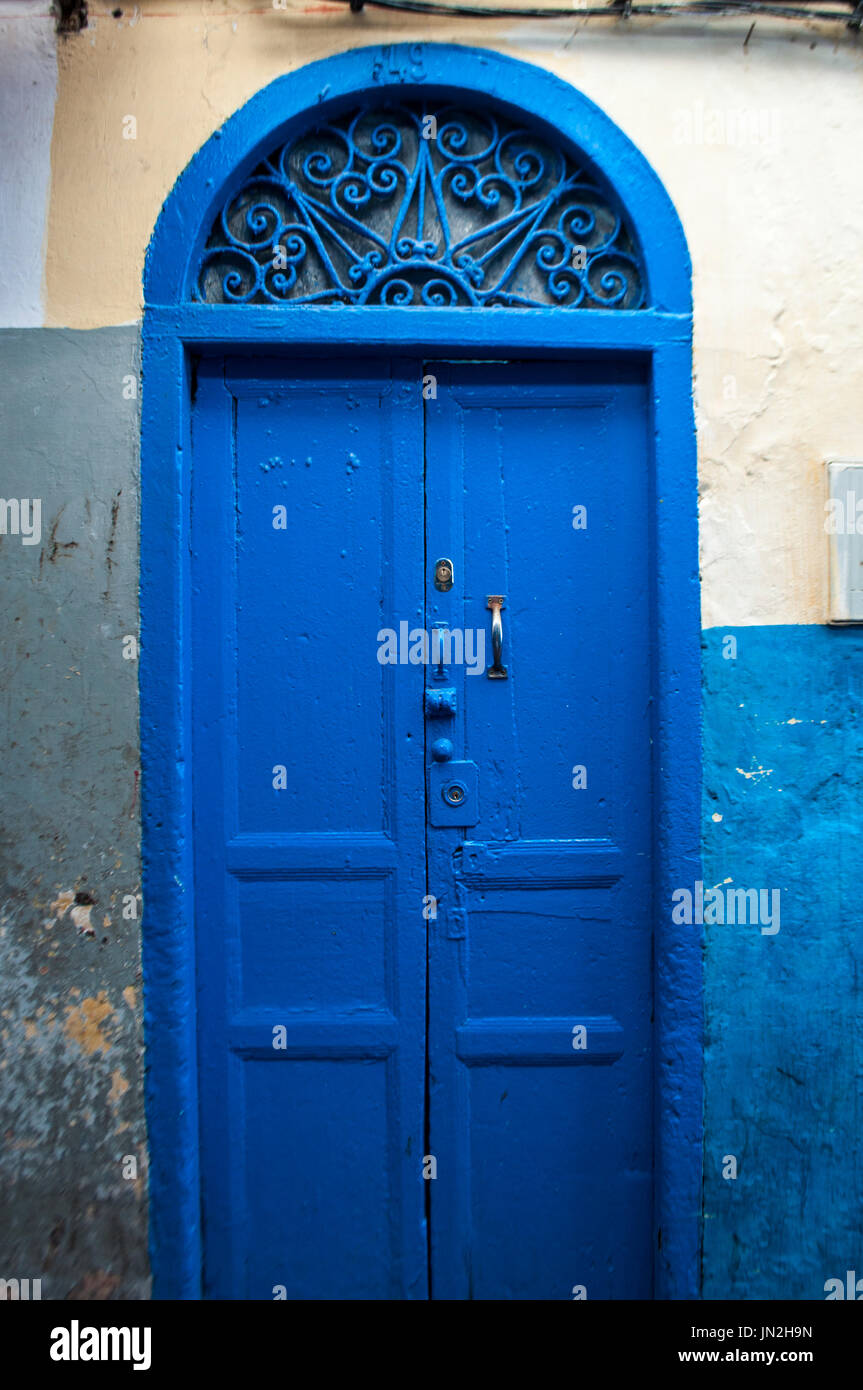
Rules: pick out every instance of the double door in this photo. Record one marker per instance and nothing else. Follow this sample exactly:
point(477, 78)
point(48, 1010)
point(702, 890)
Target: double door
point(421, 680)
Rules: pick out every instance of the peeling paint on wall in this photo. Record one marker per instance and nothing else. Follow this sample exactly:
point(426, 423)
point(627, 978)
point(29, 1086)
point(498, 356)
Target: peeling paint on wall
point(71, 1105)
point(84, 1024)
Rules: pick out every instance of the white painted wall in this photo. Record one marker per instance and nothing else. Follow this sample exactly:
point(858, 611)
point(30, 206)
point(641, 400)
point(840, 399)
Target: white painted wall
point(28, 87)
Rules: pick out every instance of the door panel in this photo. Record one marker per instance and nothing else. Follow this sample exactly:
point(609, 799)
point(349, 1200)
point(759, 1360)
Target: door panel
point(543, 1135)
point(309, 882)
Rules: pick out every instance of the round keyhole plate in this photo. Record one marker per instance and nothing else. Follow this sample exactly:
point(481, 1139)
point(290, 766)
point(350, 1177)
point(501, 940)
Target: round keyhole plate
point(454, 793)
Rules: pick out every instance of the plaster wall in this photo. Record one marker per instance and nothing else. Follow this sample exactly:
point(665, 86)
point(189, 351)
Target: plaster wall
point(757, 144)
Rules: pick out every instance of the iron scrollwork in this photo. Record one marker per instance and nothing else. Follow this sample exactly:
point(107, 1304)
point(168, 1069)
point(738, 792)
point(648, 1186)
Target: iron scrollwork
point(402, 205)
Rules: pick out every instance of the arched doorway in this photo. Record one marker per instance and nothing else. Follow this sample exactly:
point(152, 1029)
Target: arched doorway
point(417, 358)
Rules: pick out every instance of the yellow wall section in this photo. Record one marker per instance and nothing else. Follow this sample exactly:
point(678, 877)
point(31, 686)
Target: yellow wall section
point(772, 212)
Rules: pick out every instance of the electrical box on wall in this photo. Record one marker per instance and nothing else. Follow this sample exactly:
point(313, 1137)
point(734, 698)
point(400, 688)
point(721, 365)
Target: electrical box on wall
point(844, 527)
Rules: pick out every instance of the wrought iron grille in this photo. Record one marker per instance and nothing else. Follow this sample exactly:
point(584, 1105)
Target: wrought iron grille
point(433, 205)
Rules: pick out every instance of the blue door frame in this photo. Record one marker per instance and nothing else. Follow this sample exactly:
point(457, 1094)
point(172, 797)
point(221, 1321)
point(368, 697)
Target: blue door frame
point(175, 332)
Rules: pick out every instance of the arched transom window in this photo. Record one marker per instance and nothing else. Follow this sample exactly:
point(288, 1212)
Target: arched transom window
point(422, 204)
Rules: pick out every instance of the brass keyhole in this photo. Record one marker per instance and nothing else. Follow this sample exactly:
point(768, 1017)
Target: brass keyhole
point(443, 575)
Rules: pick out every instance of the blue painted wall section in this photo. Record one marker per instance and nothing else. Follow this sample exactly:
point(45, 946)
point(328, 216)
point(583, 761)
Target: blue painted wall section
point(783, 738)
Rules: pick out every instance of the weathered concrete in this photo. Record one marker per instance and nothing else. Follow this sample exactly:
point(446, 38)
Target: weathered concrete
point(71, 1111)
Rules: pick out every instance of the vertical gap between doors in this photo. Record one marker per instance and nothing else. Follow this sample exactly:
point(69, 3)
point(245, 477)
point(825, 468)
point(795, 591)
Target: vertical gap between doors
point(427, 1089)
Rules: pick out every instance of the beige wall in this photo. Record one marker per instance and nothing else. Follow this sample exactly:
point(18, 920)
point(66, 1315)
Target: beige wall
point(758, 145)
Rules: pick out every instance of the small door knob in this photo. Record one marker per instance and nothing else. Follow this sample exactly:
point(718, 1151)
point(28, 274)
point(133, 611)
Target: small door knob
point(441, 750)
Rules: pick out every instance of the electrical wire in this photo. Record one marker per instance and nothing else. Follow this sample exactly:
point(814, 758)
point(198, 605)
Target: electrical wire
point(621, 9)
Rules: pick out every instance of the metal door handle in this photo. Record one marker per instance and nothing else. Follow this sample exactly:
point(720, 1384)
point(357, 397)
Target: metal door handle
point(496, 672)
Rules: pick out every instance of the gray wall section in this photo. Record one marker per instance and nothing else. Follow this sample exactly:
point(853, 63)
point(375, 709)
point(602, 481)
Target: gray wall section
point(71, 1061)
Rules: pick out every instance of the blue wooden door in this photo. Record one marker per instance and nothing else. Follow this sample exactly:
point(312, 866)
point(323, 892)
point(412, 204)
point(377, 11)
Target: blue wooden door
point(422, 888)
point(540, 958)
point(307, 516)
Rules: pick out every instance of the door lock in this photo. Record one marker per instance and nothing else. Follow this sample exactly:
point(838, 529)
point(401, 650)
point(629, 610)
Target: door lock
point(443, 575)
point(453, 792)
